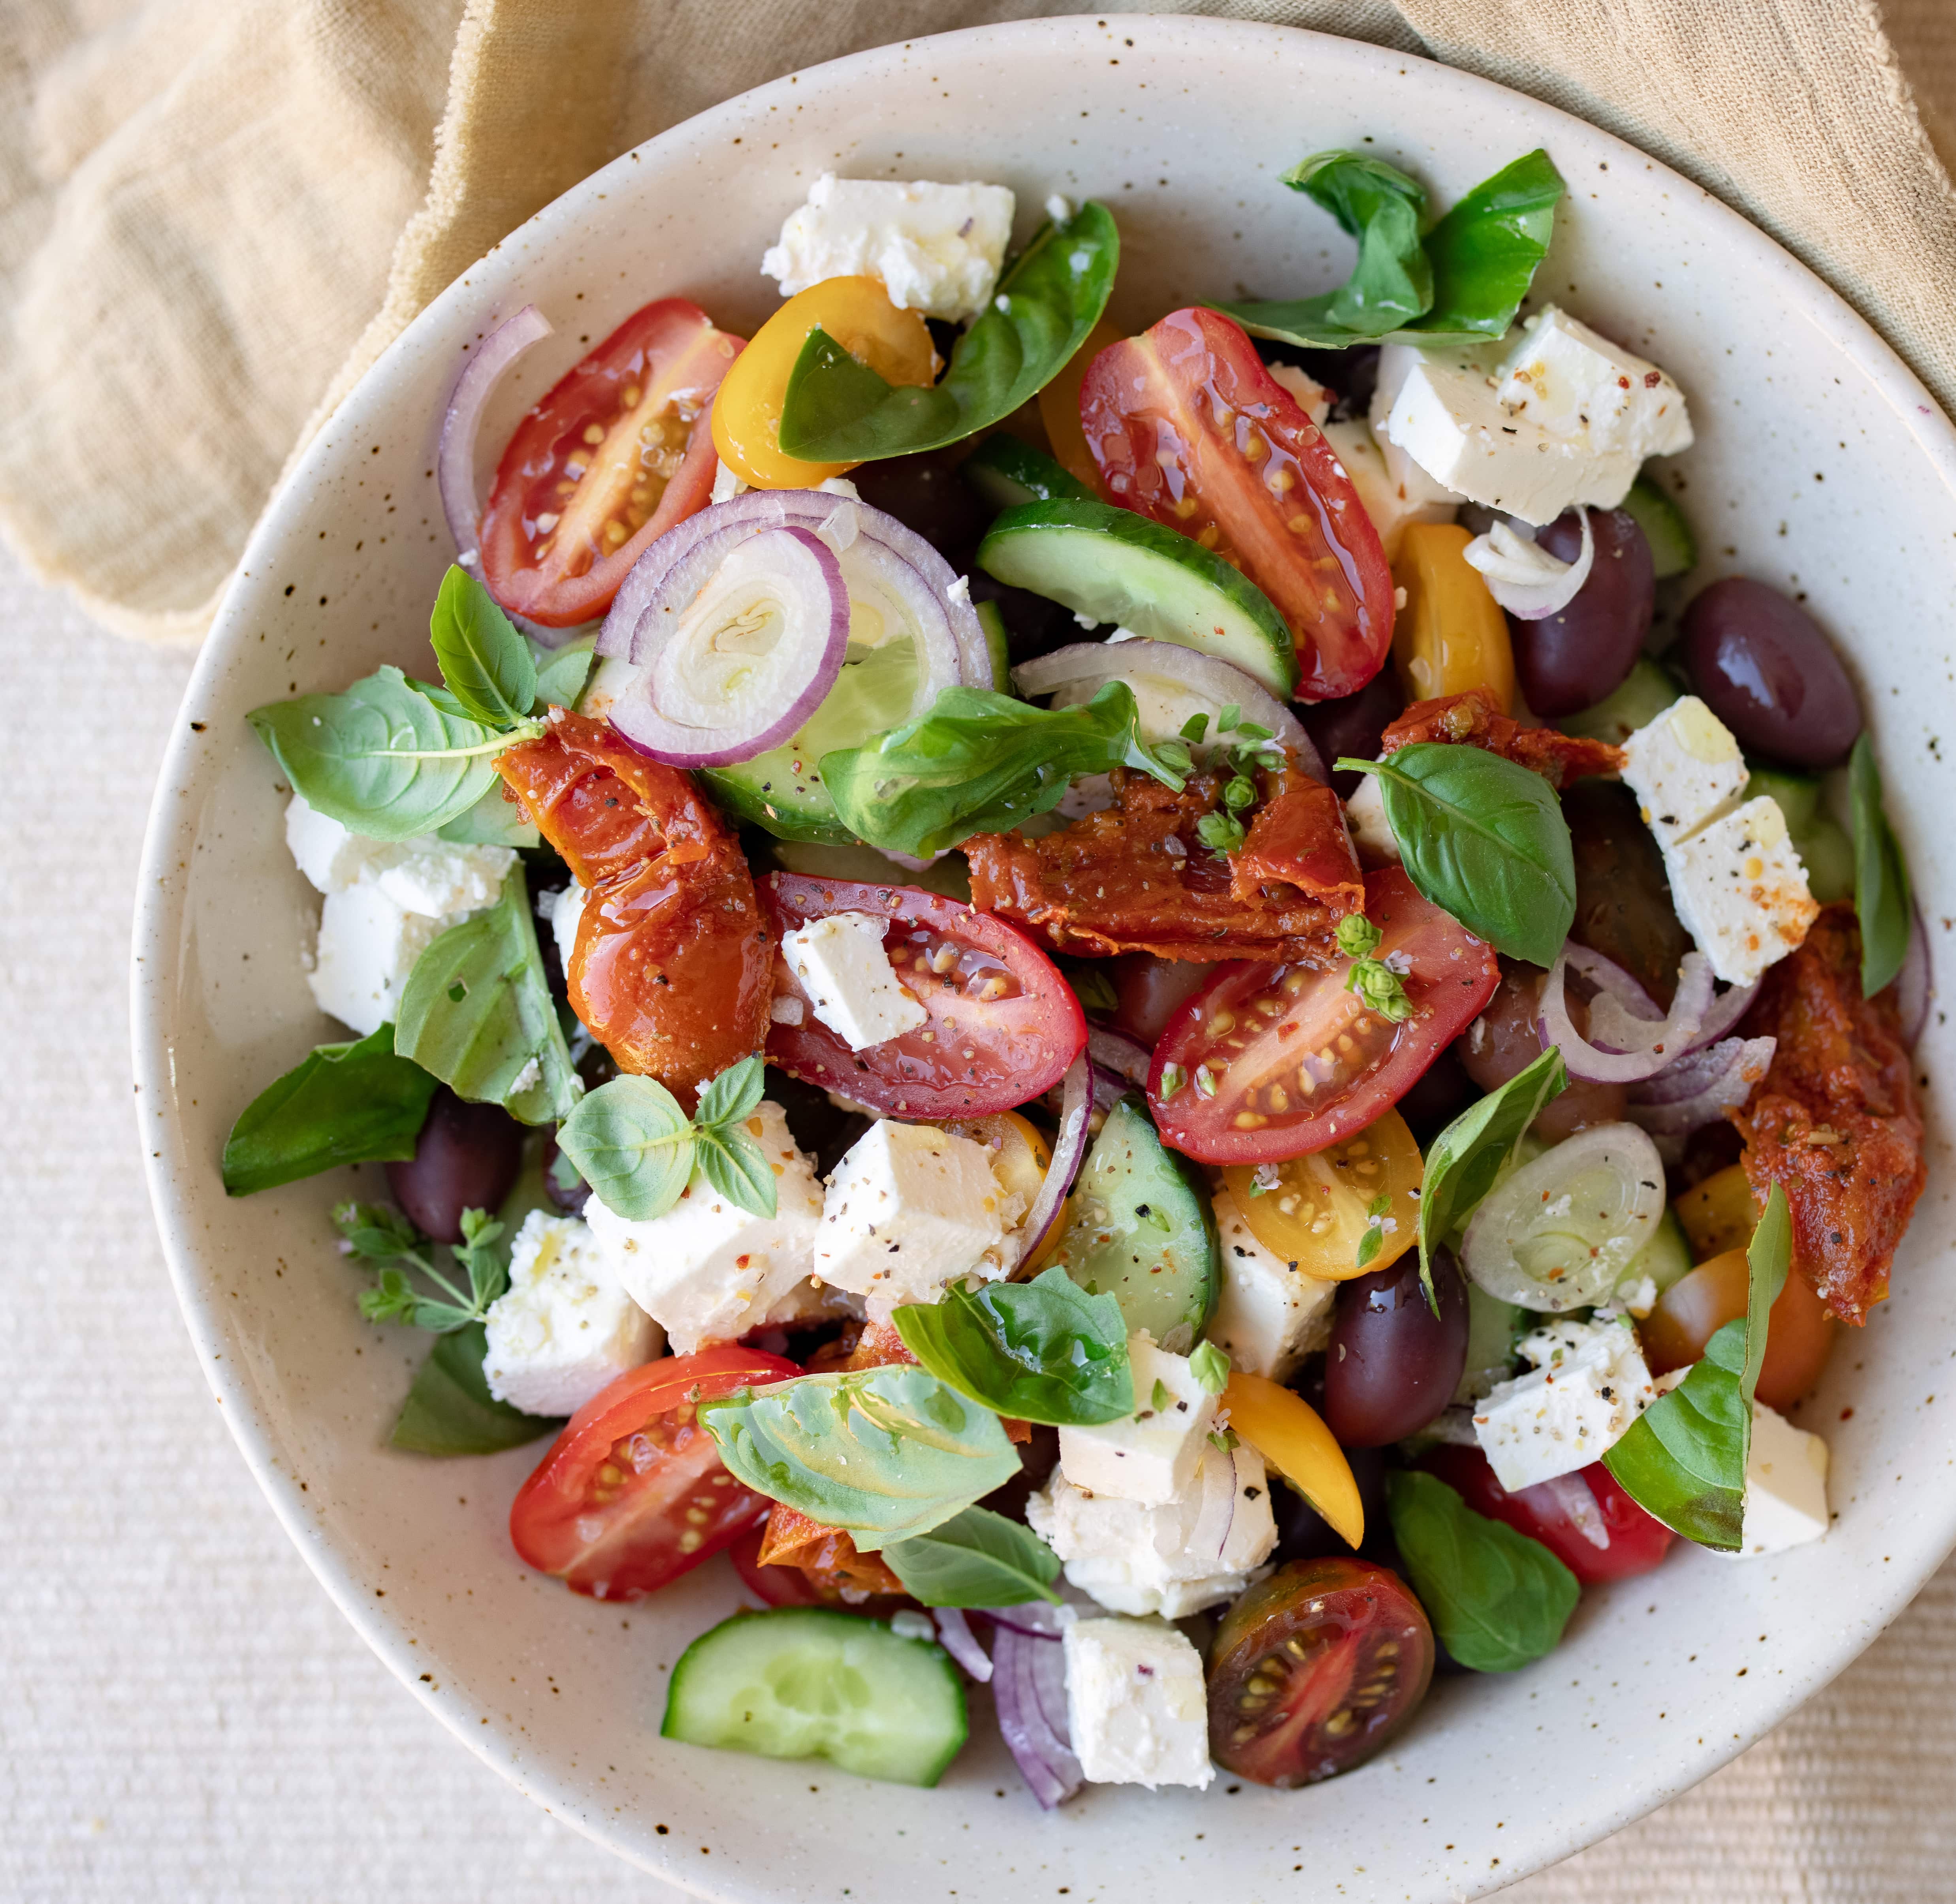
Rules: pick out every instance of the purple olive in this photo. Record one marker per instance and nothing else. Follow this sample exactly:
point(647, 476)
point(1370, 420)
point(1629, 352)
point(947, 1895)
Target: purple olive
point(1761, 665)
point(467, 1159)
point(1351, 724)
point(1392, 1364)
point(1572, 659)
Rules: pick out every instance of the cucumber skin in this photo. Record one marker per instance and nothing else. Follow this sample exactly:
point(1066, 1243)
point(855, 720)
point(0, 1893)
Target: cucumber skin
point(697, 1658)
point(1673, 548)
point(1006, 472)
point(748, 804)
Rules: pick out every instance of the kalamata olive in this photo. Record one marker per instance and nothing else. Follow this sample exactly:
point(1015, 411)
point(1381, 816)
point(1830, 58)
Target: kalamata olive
point(1761, 665)
point(562, 1183)
point(1571, 660)
point(1506, 1038)
point(466, 1158)
point(1392, 1364)
point(925, 493)
point(1439, 1094)
point(1622, 897)
point(1351, 724)
point(1151, 990)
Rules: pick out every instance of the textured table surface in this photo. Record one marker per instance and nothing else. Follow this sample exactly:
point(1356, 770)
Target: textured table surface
point(184, 1714)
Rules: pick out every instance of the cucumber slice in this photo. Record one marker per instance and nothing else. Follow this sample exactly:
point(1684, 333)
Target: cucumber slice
point(1797, 795)
point(1006, 472)
point(1118, 566)
point(1646, 692)
point(1493, 1328)
point(814, 1682)
point(1664, 1259)
point(1139, 1229)
point(997, 645)
point(821, 859)
point(1673, 549)
point(1828, 854)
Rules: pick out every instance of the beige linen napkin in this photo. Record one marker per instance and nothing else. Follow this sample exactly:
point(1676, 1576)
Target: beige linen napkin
point(214, 214)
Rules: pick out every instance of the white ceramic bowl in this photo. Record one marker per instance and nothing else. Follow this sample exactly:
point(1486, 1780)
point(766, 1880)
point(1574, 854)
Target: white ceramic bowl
point(1820, 465)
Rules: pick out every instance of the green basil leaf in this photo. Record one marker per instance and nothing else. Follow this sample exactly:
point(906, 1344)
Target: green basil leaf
point(884, 1453)
point(976, 1559)
point(734, 1163)
point(1882, 900)
point(837, 410)
point(493, 820)
point(1464, 1160)
point(1391, 285)
point(1043, 1350)
point(345, 1104)
point(383, 758)
point(449, 1410)
point(980, 762)
point(487, 665)
point(1484, 840)
point(1683, 1459)
point(734, 1095)
point(632, 1144)
point(477, 1011)
point(1485, 250)
point(561, 672)
point(1496, 1599)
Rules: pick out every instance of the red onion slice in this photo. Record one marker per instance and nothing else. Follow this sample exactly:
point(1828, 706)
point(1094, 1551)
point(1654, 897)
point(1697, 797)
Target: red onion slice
point(1217, 1514)
point(1570, 1493)
point(1069, 1151)
point(1526, 580)
point(1082, 665)
point(1113, 1050)
point(1648, 1046)
point(1700, 1088)
point(955, 1636)
point(461, 424)
point(741, 644)
point(1724, 1012)
point(1029, 1690)
point(1915, 983)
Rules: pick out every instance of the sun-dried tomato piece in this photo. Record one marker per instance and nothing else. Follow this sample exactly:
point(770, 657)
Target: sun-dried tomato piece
point(1471, 720)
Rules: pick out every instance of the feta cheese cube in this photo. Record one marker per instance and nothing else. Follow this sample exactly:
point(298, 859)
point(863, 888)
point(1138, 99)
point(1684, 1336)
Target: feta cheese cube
point(1372, 836)
point(1151, 1455)
point(708, 1271)
point(849, 982)
point(368, 945)
point(565, 1327)
point(1786, 1485)
point(1741, 891)
point(1393, 488)
point(1589, 1383)
point(328, 855)
point(1562, 377)
point(937, 248)
point(1685, 767)
point(1270, 1315)
point(562, 911)
point(910, 1209)
point(1174, 1559)
point(440, 880)
point(1136, 1705)
point(1312, 398)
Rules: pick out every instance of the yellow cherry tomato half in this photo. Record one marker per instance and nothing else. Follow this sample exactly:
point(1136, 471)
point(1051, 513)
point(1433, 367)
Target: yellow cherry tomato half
point(1339, 1212)
point(857, 312)
point(1451, 635)
point(1021, 1157)
point(1059, 407)
point(1719, 1213)
point(1291, 1437)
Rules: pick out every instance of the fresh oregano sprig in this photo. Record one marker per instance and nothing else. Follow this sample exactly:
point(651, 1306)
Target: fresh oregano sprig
point(1377, 983)
point(384, 1238)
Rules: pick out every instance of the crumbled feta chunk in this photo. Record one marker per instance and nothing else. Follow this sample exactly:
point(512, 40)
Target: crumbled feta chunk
point(1562, 377)
point(849, 982)
point(328, 855)
point(367, 946)
point(1372, 836)
point(908, 1623)
point(937, 248)
point(1175, 1559)
point(563, 910)
point(439, 880)
point(910, 1209)
point(1786, 1485)
point(727, 484)
point(1151, 1455)
point(565, 1327)
point(1741, 891)
point(1393, 488)
point(1588, 1384)
point(1312, 398)
point(708, 1271)
point(1270, 1315)
point(1137, 1707)
point(1685, 767)
point(1059, 209)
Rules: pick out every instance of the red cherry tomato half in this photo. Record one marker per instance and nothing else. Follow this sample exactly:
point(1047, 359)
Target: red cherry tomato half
point(1609, 1538)
point(1315, 1669)
point(619, 450)
point(792, 1587)
point(1004, 1025)
point(1291, 1062)
point(632, 1494)
point(1187, 426)
point(1149, 991)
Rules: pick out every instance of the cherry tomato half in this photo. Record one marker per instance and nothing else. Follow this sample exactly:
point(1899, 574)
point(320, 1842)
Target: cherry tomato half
point(1004, 1025)
point(1292, 1062)
point(1800, 1332)
point(619, 450)
point(632, 1494)
point(1187, 426)
point(1315, 1669)
point(1149, 991)
point(1609, 1538)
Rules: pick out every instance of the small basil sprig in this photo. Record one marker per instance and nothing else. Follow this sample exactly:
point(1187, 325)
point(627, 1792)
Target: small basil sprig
point(638, 1150)
point(378, 1234)
point(350, 1103)
point(1882, 901)
point(885, 1454)
point(1684, 1460)
point(1496, 1598)
point(981, 762)
point(838, 410)
point(477, 1012)
point(485, 663)
point(1465, 278)
point(1043, 1350)
point(449, 1411)
point(1483, 839)
point(976, 1559)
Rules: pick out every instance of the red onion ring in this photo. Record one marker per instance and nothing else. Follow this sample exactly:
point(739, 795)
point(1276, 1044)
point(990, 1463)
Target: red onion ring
point(1069, 1152)
point(1658, 1043)
point(1533, 600)
point(1029, 1690)
point(1114, 1051)
point(1088, 664)
point(955, 1636)
point(1724, 1011)
point(1700, 1088)
point(1915, 983)
point(461, 423)
point(801, 573)
point(1211, 1512)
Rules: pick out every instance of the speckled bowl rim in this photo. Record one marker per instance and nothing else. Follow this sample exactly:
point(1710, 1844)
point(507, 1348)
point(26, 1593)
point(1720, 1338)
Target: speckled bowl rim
point(159, 925)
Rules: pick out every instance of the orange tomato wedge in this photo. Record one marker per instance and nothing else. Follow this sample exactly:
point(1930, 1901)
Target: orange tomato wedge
point(1291, 1437)
point(1059, 407)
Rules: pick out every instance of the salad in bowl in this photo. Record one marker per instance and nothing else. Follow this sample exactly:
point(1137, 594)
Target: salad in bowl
point(1159, 1019)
